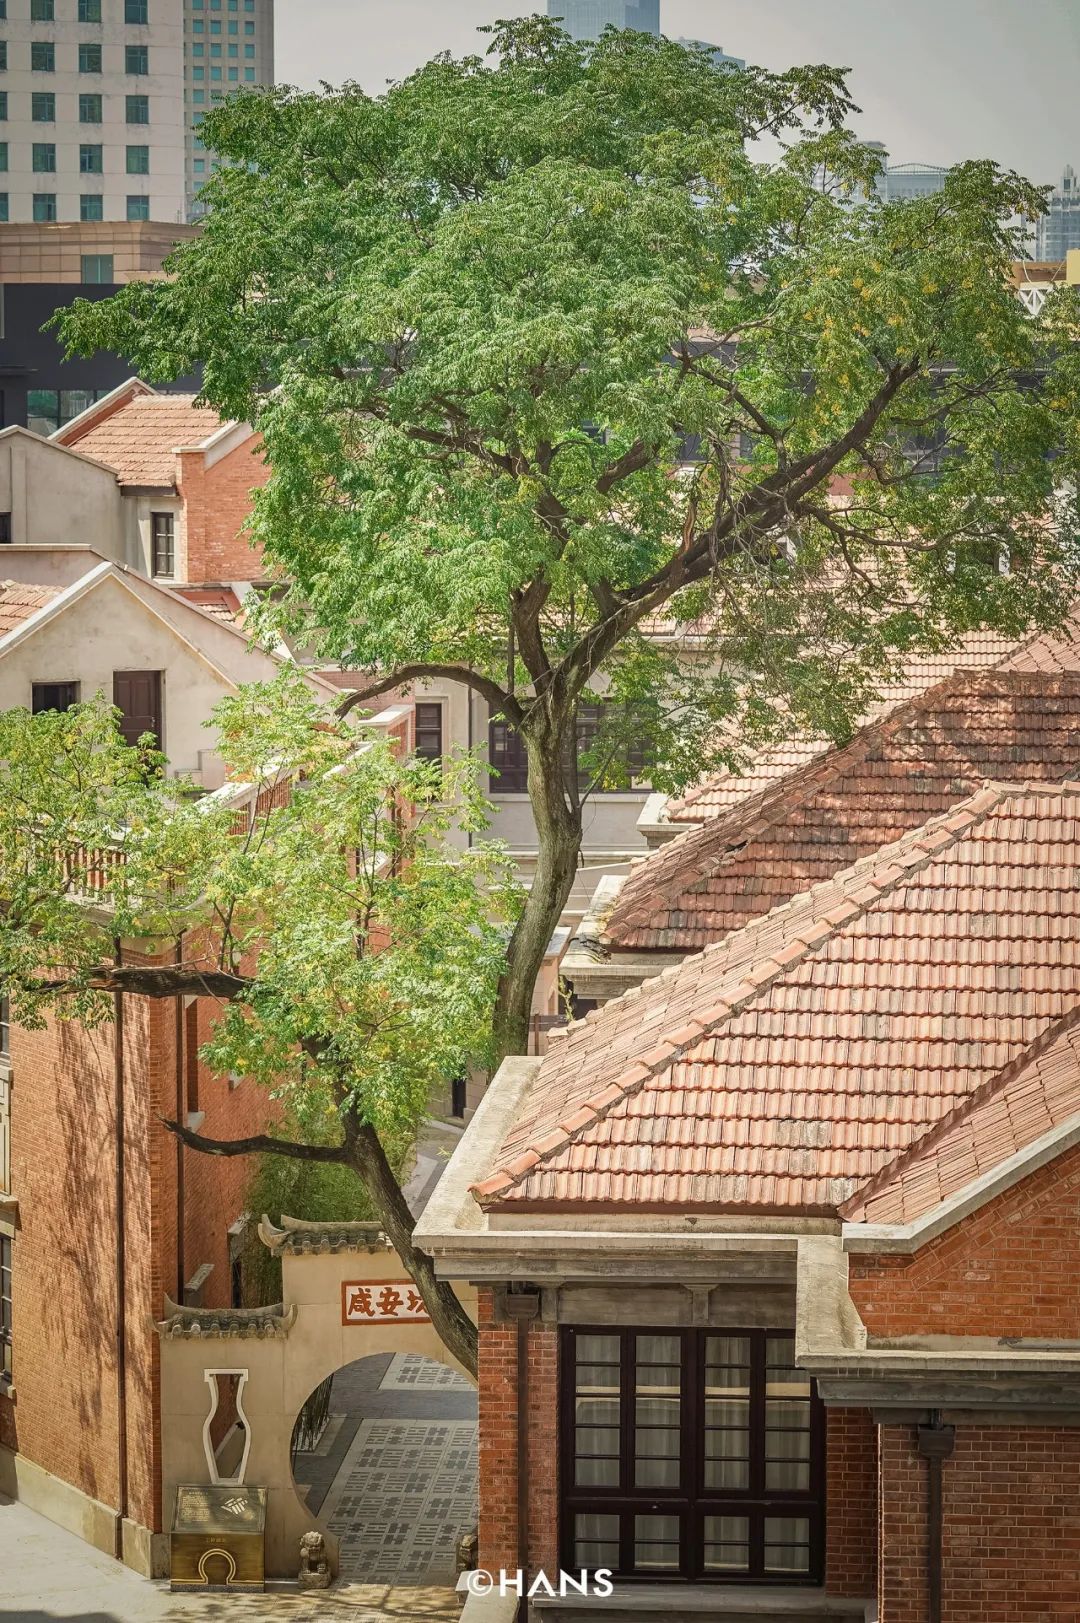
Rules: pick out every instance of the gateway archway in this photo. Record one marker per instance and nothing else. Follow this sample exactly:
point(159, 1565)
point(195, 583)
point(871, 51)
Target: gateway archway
point(387, 1463)
point(346, 1297)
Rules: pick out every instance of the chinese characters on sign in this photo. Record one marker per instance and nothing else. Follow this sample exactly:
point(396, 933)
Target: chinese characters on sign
point(384, 1301)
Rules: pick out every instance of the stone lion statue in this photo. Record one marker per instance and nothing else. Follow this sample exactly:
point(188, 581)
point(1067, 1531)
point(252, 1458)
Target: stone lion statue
point(314, 1567)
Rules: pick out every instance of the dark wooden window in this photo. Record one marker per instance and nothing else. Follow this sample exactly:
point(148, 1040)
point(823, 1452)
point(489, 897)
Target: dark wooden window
point(137, 696)
point(191, 1056)
point(53, 696)
point(692, 1454)
point(5, 1306)
point(5, 1026)
point(506, 754)
point(5, 529)
point(429, 731)
point(162, 544)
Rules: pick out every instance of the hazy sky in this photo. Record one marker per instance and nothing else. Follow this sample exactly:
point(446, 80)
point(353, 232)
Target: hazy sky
point(938, 80)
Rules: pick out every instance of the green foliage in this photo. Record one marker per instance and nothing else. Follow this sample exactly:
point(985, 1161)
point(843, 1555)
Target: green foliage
point(365, 944)
point(475, 317)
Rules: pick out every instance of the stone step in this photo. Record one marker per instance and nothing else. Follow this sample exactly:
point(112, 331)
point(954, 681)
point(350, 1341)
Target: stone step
point(702, 1604)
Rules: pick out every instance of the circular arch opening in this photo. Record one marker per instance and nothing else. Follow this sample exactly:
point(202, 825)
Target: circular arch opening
point(384, 1454)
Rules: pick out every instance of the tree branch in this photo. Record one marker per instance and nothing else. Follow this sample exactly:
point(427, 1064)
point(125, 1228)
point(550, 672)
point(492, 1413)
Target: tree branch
point(260, 1144)
point(151, 980)
point(484, 685)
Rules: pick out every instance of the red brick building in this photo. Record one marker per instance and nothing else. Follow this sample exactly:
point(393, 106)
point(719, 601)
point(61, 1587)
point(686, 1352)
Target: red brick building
point(779, 1251)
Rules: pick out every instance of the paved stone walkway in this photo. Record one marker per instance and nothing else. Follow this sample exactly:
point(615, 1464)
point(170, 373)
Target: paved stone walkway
point(395, 1476)
point(47, 1574)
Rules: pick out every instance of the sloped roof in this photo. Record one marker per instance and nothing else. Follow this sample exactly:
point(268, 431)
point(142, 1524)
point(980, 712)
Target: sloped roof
point(221, 602)
point(782, 1068)
point(138, 439)
point(895, 774)
point(979, 651)
point(19, 601)
point(1035, 1093)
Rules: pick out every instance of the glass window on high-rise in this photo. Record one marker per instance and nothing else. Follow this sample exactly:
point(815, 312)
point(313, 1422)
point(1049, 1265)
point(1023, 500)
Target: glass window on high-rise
point(136, 11)
point(3, 156)
point(136, 59)
point(91, 206)
point(89, 58)
point(43, 157)
point(90, 160)
point(43, 107)
point(138, 160)
point(3, 106)
point(137, 109)
point(3, 55)
point(44, 208)
point(587, 19)
point(4, 216)
point(97, 268)
point(42, 56)
point(90, 107)
point(42, 11)
point(89, 11)
point(138, 208)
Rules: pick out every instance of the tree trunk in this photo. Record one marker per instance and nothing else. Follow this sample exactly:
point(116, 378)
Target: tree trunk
point(558, 830)
point(454, 1327)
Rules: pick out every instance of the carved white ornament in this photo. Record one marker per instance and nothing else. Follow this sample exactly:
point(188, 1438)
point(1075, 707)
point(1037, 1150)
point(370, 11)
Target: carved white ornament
point(210, 1376)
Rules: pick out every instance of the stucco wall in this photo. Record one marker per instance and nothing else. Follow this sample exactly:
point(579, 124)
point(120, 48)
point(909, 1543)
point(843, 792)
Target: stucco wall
point(56, 498)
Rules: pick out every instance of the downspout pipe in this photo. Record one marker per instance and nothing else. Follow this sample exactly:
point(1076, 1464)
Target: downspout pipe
point(936, 1442)
point(119, 1130)
point(181, 1115)
point(522, 1307)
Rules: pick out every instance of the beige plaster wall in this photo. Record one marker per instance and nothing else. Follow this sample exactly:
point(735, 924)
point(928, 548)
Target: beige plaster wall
point(56, 498)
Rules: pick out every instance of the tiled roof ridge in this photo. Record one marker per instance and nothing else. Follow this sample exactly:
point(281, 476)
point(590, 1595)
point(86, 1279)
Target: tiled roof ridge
point(1000, 666)
point(893, 1169)
point(752, 818)
point(854, 891)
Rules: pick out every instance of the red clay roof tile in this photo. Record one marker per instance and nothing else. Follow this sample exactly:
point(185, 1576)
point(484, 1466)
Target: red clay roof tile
point(831, 1068)
point(19, 601)
point(138, 439)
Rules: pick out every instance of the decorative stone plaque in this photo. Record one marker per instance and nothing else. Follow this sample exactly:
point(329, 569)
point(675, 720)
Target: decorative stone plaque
point(217, 1538)
point(382, 1301)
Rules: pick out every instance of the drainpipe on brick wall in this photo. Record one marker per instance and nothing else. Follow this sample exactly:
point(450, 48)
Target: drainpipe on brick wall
point(119, 1123)
point(522, 1306)
point(181, 1115)
point(935, 1442)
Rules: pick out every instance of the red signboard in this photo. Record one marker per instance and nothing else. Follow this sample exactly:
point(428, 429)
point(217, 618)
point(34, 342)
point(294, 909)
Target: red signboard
point(382, 1301)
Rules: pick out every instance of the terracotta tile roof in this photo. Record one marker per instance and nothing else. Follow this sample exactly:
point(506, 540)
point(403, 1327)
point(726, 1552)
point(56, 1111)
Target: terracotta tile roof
point(19, 601)
point(894, 775)
point(1035, 1093)
point(783, 1067)
point(138, 439)
point(980, 651)
point(220, 602)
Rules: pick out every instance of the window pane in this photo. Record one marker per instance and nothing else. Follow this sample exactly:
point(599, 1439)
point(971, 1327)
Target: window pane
point(73, 401)
point(90, 108)
point(89, 58)
point(89, 11)
point(135, 11)
point(137, 109)
point(3, 156)
point(136, 59)
point(97, 268)
point(656, 1543)
point(727, 1543)
point(90, 160)
point(44, 207)
point(138, 160)
point(787, 1544)
point(42, 11)
point(43, 107)
point(138, 208)
point(91, 206)
point(43, 410)
point(596, 1541)
point(4, 206)
point(43, 56)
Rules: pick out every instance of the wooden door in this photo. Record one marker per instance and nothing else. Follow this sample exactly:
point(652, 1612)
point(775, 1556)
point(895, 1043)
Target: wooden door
point(137, 696)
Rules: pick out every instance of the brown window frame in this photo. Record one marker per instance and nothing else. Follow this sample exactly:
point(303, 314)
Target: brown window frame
point(690, 1502)
point(163, 550)
point(506, 755)
point(68, 692)
point(429, 732)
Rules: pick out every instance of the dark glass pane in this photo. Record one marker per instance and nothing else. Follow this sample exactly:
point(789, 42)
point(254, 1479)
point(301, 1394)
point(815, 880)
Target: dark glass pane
point(726, 1543)
point(787, 1544)
point(596, 1411)
point(596, 1473)
point(597, 1349)
point(656, 1543)
point(731, 1476)
point(596, 1540)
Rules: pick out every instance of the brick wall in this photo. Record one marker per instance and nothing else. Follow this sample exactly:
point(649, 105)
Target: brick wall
point(498, 1442)
point(851, 1467)
point(64, 1416)
point(1011, 1526)
point(1010, 1269)
point(216, 502)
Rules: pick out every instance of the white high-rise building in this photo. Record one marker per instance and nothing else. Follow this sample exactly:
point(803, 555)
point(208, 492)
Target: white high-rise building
point(228, 46)
point(100, 99)
point(91, 110)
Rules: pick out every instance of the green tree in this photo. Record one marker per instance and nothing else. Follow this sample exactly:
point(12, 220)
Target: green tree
point(355, 951)
point(477, 319)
